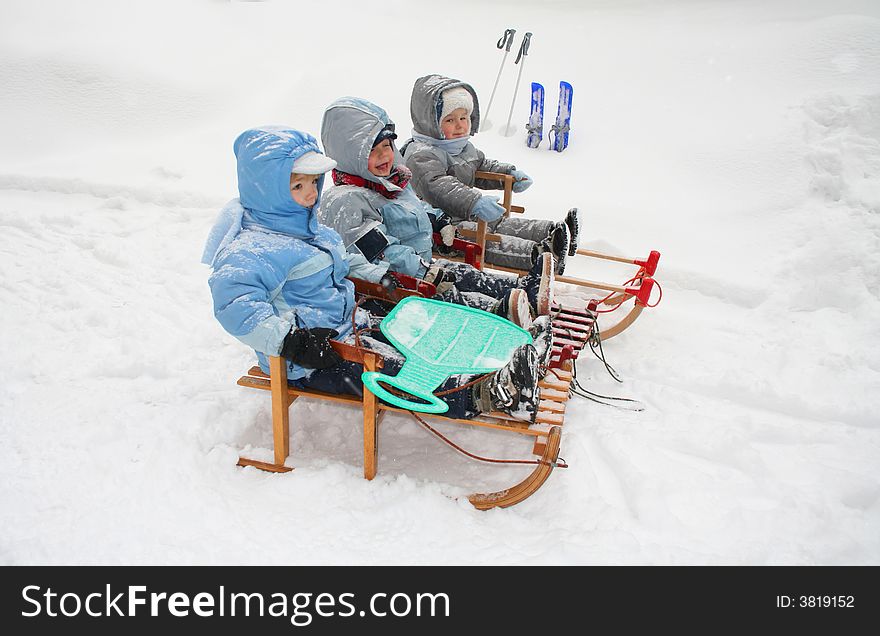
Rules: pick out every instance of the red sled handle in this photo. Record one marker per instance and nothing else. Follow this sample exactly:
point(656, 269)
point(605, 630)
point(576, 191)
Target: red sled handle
point(470, 249)
point(649, 264)
point(412, 283)
point(642, 293)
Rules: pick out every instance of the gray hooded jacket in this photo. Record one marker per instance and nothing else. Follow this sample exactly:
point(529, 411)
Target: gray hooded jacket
point(444, 180)
point(349, 128)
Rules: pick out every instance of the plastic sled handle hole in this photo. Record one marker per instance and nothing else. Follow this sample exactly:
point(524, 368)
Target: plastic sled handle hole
point(371, 380)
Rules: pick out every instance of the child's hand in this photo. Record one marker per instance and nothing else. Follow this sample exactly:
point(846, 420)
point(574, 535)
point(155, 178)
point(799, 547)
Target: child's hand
point(441, 225)
point(389, 282)
point(440, 278)
point(523, 181)
point(311, 348)
point(447, 233)
point(488, 208)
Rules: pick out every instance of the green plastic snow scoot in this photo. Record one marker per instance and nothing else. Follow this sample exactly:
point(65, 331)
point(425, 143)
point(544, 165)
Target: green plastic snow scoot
point(439, 340)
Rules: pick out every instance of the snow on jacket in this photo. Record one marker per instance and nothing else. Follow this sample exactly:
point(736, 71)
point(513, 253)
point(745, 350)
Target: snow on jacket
point(282, 269)
point(443, 179)
point(349, 128)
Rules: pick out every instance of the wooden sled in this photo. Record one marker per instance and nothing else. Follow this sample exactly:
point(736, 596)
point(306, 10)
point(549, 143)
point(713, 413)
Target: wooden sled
point(637, 289)
point(545, 432)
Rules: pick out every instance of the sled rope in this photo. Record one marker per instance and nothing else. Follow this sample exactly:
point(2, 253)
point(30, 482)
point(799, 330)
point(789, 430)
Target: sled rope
point(596, 343)
point(576, 388)
point(466, 385)
point(559, 463)
point(659, 298)
point(579, 390)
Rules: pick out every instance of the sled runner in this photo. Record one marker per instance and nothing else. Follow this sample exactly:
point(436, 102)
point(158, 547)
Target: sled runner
point(637, 288)
point(545, 432)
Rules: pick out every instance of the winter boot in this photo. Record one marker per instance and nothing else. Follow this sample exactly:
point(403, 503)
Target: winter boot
point(558, 243)
point(542, 337)
point(515, 307)
point(451, 295)
point(571, 220)
point(538, 282)
point(513, 389)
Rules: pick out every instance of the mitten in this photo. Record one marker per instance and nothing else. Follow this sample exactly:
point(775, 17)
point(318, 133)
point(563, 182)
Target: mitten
point(442, 224)
point(488, 208)
point(447, 233)
point(523, 181)
point(389, 282)
point(310, 348)
point(440, 278)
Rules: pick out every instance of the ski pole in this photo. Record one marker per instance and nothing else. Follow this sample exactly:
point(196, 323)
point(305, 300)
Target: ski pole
point(504, 43)
point(523, 51)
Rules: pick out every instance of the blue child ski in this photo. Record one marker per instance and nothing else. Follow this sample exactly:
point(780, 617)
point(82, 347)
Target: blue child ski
point(560, 129)
point(536, 117)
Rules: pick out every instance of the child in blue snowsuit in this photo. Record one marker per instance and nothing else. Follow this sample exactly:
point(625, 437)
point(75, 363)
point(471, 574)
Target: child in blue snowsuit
point(279, 281)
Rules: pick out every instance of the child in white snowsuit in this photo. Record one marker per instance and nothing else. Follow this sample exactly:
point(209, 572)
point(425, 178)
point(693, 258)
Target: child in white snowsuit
point(386, 228)
point(279, 281)
point(445, 113)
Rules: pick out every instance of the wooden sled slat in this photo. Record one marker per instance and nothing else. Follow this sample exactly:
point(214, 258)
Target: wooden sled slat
point(556, 396)
point(555, 384)
point(472, 235)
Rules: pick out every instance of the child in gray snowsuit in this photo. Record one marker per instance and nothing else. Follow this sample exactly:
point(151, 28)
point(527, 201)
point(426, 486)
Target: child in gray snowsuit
point(445, 113)
point(386, 228)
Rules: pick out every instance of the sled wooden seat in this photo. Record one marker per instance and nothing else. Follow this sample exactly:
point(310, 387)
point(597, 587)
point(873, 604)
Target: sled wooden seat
point(545, 432)
point(638, 288)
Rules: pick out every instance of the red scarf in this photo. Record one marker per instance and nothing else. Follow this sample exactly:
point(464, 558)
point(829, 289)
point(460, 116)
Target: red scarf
point(399, 176)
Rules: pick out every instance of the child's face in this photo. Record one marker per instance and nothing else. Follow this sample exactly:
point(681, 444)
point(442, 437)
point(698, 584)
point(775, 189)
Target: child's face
point(381, 159)
point(456, 124)
point(304, 188)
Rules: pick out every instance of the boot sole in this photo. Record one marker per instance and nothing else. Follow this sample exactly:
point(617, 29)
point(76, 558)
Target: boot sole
point(519, 312)
point(545, 288)
point(573, 230)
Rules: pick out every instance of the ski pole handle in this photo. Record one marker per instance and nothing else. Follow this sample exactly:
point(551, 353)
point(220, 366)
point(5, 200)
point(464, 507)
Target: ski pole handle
point(523, 47)
point(523, 51)
point(506, 39)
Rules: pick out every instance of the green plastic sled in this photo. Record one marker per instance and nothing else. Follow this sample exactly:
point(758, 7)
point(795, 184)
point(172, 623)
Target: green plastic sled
point(440, 339)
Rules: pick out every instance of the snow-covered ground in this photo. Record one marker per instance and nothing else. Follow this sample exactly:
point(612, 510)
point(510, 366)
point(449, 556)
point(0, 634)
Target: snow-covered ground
point(742, 140)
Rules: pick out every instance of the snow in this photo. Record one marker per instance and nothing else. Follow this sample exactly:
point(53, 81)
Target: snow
point(742, 140)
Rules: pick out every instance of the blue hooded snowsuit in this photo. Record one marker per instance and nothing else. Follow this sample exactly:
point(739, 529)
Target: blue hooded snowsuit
point(283, 269)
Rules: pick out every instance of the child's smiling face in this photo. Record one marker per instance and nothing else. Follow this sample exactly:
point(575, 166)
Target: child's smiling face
point(381, 159)
point(456, 124)
point(304, 188)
